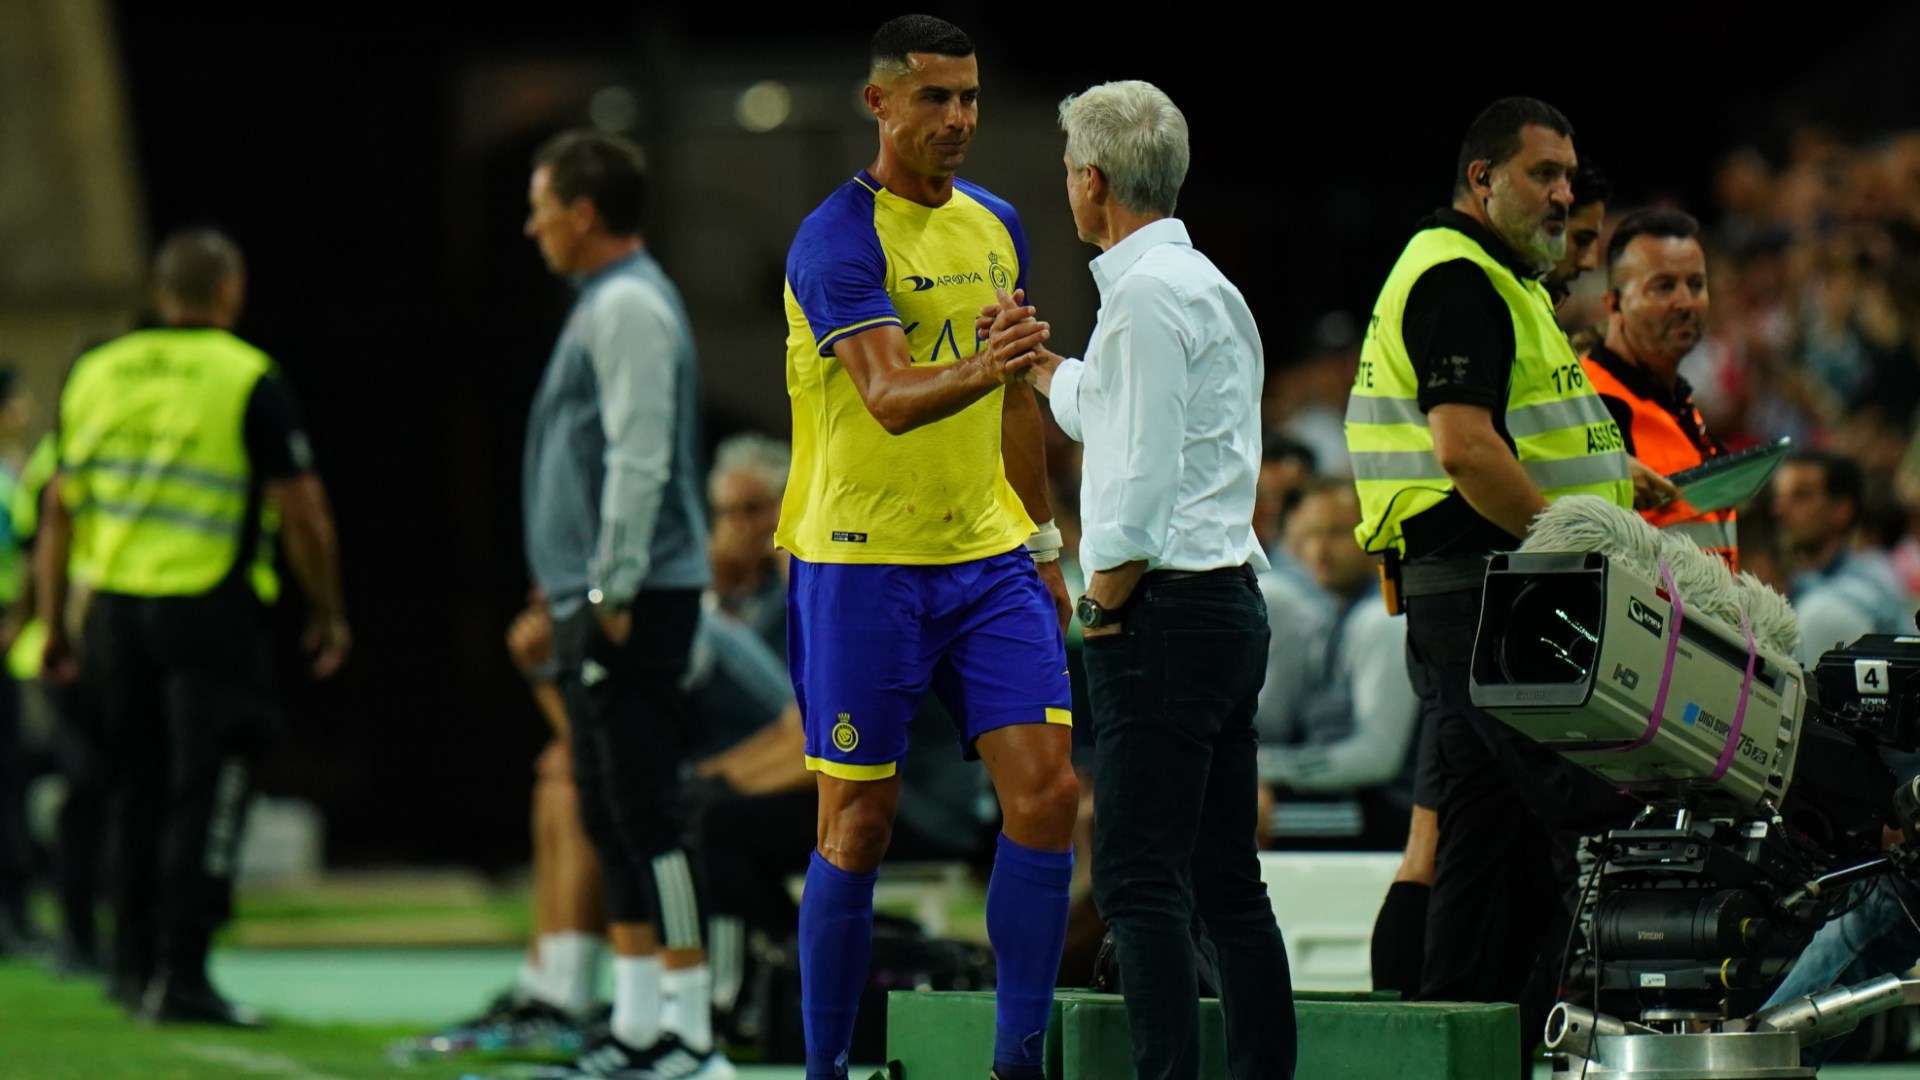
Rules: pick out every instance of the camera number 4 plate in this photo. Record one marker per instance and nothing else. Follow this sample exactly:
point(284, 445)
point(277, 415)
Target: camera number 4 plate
point(1870, 677)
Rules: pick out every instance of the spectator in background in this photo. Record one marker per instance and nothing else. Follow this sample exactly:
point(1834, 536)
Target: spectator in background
point(1585, 220)
point(1287, 465)
point(1743, 186)
point(1905, 551)
point(1346, 774)
point(1580, 315)
point(1300, 613)
point(1306, 400)
point(744, 487)
point(1839, 590)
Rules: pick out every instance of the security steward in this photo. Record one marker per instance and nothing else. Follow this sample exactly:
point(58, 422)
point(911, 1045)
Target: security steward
point(1656, 303)
point(1469, 414)
point(179, 459)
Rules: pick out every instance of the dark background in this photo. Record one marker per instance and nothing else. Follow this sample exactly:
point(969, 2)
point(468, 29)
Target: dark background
point(378, 186)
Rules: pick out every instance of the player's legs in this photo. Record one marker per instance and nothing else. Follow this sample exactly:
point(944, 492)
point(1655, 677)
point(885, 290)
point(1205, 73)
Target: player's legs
point(531, 984)
point(836, 913)
point(629, 719)
point(1004, 677)
point(1030, 891)
point(856, 646)
point(570, 920)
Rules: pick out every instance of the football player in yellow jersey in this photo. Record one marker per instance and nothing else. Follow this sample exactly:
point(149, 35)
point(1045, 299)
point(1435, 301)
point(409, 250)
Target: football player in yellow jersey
point(918, 478)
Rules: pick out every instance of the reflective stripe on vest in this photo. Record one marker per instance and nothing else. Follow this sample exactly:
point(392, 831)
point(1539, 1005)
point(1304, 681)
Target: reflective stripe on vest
point(1562, 434)
point(154, 462)
point(1662, 445)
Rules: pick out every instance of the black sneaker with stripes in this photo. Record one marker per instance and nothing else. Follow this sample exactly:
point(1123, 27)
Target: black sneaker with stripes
point(666, 1059)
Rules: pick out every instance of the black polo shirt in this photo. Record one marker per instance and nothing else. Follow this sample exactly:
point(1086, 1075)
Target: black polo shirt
point(1459, 335)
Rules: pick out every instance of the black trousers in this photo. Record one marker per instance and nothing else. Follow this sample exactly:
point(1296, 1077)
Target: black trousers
point(1174, 812)
point(630, 734)
point(185, 691)
point(1509, 810)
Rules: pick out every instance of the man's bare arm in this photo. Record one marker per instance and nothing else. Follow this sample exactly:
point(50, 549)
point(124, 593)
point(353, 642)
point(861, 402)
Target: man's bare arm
point(1483, 467)
point(314, 552)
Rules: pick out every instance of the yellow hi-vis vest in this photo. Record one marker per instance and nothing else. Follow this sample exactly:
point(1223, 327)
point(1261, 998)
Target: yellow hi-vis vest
point(1562, 433)
point(154, 466)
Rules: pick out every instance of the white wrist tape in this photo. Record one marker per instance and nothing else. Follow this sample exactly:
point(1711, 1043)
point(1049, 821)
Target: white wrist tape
point(1044, 544)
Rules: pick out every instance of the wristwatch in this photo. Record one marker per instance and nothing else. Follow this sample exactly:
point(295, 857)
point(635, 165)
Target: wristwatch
point(603, 604)
point(1092, 615)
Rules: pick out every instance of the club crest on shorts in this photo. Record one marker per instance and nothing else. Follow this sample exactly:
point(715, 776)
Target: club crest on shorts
point(845, 736)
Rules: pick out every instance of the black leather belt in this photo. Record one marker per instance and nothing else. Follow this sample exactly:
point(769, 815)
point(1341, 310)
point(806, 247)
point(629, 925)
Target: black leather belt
point(1164, 576)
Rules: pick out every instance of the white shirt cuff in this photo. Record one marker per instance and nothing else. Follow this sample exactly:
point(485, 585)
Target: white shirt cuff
point(1063, 397)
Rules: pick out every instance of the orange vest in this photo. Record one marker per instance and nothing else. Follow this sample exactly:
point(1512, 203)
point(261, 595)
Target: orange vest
point(1661, 444)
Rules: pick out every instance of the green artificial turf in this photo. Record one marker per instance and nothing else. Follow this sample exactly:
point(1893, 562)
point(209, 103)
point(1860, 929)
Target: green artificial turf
point(63, 1029)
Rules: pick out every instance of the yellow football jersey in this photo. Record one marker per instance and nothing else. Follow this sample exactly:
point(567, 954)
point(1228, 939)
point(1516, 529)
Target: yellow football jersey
point(939, 493)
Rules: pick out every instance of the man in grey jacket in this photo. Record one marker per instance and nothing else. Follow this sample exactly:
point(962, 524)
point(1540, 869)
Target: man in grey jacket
point(616, 538)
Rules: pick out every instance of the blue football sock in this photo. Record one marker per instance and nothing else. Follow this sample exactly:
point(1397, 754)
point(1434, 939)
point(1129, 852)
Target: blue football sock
point(836, 942)
point(1027, 924)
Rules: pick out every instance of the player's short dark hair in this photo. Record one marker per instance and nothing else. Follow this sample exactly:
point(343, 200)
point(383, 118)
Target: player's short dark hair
point(192, 264)
point(1494, 135)
point(1277, 447)
point(1590, 186)
point(606, 170)
point(904, 35)
point(1660, 221)
point(1841, 478)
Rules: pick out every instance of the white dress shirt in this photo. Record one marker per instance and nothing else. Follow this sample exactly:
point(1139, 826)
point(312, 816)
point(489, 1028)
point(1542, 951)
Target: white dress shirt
point(1167, 402)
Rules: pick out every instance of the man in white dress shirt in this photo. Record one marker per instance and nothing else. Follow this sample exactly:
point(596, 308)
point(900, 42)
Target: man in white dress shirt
point(1167, 402)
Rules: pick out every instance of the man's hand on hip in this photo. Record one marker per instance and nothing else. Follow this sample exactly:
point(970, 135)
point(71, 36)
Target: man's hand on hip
point(616, 624)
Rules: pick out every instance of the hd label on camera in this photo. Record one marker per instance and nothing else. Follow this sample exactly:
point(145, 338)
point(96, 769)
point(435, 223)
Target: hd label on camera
point(1870, 677)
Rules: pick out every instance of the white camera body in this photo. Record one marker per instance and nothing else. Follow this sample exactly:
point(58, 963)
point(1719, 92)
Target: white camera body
point(1593, 660)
